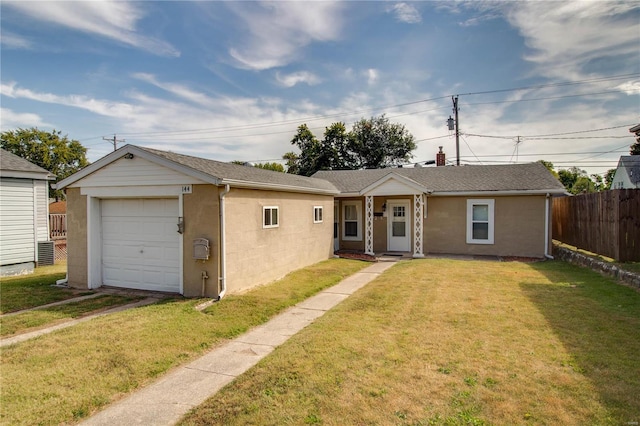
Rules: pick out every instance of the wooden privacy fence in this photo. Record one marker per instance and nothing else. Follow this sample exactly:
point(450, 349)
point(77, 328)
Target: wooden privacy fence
point(606, 223)
point(58, 226)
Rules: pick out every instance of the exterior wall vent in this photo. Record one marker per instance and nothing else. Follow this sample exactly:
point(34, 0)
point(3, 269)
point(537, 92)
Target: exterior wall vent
point(45, 253)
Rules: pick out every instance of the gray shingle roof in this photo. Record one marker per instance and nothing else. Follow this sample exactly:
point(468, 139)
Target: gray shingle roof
point(631, 164)
point(238, 172)
point(513, 177)
point(11, 162)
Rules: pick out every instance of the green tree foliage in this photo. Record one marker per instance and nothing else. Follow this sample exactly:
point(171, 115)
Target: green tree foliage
point(49, 150)
point(276, 167)
point(608, 178)
point(371, 143)
point(549, 166)
point(635, 148)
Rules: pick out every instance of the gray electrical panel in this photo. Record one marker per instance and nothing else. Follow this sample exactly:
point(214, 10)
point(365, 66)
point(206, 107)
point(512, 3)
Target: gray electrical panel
point(201, 249)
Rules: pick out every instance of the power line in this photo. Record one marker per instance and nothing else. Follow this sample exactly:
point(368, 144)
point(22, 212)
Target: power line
point(543, 99)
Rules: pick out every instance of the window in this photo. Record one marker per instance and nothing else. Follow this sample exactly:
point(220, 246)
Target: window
point(270, 217)
point(352, 220)
point(480, 218)
point(317, 214)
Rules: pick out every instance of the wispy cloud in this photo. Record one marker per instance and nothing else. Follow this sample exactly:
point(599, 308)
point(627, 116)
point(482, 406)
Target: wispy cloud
point(12, 120)
point(277, 31)
point(372, 76)
point(176, 89)
point(290, 80)
point(113, 20)
point(568, 39)
point(406, 13)
point(14, 41)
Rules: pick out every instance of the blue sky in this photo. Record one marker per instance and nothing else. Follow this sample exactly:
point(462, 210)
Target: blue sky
point(233, 80)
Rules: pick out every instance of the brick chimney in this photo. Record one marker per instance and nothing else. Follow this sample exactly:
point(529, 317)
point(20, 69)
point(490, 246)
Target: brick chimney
point(440, 157)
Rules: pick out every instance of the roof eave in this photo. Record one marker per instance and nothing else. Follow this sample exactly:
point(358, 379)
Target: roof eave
point(235, 183)
point(132, 149)
point(554, 191)
point(21, 174)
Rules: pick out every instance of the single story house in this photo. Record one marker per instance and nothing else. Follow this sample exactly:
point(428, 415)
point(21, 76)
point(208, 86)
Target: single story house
point(627, 174)
point(24, 215)
point(149, 219)
point(499, 210)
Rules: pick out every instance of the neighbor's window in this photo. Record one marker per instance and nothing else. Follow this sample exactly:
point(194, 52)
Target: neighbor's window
point(352, 220)
point(317, 214)
point(480, 220)
point(270, 217)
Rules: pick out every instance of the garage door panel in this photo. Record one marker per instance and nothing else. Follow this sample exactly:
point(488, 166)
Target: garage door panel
point(140, 244)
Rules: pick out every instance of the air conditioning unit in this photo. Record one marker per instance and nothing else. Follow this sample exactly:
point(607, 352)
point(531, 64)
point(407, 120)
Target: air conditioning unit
point(45, 253)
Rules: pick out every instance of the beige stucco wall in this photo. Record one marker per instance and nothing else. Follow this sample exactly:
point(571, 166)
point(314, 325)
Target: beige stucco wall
point(76, 238)
point(519, 227)
point(201, 220)
point(255, 255)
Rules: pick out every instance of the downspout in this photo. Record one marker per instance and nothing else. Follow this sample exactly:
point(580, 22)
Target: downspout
point(546, 227)
point(223, 261)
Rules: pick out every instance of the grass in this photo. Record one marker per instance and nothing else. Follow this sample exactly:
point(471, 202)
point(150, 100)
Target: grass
point(33, 320)
point(65, 376)
point(454, 343)
point(29, 291)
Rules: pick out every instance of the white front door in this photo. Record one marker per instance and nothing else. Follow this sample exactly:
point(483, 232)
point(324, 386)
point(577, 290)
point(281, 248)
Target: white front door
point(398, 225)
point(140, 244)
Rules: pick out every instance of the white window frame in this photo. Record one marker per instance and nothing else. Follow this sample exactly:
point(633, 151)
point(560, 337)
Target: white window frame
point(358, 205)
point(271, 209)
point(491, 220)
point(318, 214)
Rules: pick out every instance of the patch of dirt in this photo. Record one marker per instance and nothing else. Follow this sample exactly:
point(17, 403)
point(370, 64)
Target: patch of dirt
point(356, 256)
point(520, 259)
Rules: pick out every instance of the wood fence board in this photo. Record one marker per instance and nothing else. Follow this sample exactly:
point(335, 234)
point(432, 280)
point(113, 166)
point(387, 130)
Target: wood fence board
point(606, 223)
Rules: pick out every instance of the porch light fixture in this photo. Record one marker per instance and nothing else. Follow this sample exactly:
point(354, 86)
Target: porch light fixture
point(180, 225)
point(128, 156)
point(384, 207)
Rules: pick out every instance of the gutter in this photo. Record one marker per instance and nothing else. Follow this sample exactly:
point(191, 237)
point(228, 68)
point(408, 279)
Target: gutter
point(223, 260)
point(546, 227)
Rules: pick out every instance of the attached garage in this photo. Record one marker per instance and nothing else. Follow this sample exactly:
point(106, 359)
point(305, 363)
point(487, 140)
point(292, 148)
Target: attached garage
point(140, 245)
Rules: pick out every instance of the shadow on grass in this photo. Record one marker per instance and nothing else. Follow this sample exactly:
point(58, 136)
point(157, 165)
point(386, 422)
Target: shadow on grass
point(598, 322)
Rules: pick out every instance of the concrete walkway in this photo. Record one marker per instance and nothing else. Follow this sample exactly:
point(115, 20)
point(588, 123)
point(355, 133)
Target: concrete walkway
point(26, 336)
point(167, 400)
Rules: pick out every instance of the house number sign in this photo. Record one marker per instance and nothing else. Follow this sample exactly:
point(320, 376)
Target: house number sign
point(186, 189)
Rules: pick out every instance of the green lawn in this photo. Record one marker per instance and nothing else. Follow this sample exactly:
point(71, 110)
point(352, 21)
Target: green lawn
point(443, 342)
point(28, 291)
point(64, 376)
point(32, 320)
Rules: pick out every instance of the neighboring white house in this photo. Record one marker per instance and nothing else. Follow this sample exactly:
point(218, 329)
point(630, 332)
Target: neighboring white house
point(627, 173)
point(24, 215)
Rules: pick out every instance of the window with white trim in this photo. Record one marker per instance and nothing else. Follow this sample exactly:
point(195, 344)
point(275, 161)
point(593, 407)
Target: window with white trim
point(352, 220)
point(317, 214)
point(270, 217)
point(480, 221)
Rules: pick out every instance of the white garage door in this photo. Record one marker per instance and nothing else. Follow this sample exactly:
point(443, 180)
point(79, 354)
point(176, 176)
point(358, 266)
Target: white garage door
point(140, 244)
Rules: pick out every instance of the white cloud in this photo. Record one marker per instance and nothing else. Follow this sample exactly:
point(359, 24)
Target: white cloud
point(372, 76)
point(279, 30)
point(112, 20)
point(13, 41)
point(290, 80)
point(406, 13)
point(11, 120)
point(567, 38)
point(178, 90)
point(630, 87)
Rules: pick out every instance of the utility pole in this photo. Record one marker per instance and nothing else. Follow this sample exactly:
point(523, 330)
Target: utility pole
point(455, 110)
point(114, 141)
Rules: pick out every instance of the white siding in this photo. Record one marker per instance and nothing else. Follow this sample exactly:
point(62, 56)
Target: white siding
point(392, 187)
point(42, 210)
point(17, 230)
point(134, 172)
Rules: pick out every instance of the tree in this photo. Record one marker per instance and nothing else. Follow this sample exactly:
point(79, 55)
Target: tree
point(371, 143)
point(635, 148)
point(276, 167)
point(376, 143)
point(49, 150)
point(608, 178)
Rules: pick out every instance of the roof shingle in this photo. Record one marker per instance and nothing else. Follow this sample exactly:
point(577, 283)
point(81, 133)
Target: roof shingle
point(10, 161)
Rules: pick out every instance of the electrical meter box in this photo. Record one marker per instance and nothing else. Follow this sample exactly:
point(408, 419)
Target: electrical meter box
point(201, 249)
